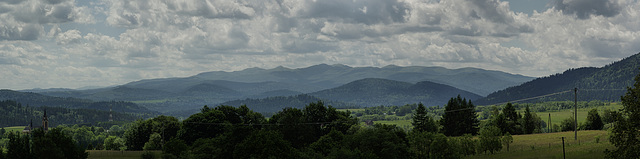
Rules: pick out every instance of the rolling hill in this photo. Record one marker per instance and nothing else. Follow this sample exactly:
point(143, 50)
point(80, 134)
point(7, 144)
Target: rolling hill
point(605, 83)
point(38, 100)
point(375, 92)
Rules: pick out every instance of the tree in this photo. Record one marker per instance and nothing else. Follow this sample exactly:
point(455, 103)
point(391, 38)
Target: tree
point(625, 135)
point(567, 124)
point(510, 121)
point(442, 148)
point(264, 144)
point(490, 139)
point(19, 146)
point(593, 121)
point(422, 121)
point(384, 141)
point(420, 143)
point(113, 143)
point(529, 121)
point(154, 143)
point(459, 117)
point(507, 139)
point(174, 148)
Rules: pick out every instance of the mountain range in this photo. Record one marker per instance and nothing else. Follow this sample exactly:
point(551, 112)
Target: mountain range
point(397, 85)
point(344, 86)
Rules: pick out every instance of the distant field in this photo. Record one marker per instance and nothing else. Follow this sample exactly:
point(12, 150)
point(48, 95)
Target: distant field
point(558, 116)
point(400, 123)
point(14, 128)
point(352, 110)
point(104, 154)
point(549, 145)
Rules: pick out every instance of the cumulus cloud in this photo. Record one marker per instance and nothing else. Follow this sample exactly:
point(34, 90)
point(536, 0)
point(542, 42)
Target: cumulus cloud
point(585, 8)
point(24, 20)
point(168, 38)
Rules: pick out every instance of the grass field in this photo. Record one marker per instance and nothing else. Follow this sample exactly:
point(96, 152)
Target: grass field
point(558, 116)
point(399, 123)
point(14, 128)
point(549, 145)
point(104, 154)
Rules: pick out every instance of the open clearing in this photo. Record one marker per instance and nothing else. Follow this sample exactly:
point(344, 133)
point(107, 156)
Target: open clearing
point(549, 145)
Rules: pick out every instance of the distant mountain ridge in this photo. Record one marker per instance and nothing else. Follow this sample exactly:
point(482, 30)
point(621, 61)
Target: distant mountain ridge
point(210, 88)
point(374, 92)
point(605, 83)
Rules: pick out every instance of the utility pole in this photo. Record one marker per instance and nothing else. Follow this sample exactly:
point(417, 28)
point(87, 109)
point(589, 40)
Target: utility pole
point(549, 124)
point(575, 112)
point(563, 154)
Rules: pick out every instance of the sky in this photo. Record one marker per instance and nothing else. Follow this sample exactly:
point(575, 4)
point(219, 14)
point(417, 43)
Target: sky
point(81, 43)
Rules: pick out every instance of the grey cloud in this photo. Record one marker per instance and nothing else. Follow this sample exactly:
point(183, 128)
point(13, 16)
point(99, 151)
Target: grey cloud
point(20, 32)
point(367, 12)
point(584, 8)
point(489, 9)
point(44, 13)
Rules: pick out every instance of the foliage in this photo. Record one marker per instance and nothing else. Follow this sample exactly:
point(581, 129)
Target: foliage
point(459, 118)
point(148, 155)
point(37, 100)
point(264, 144)
point(507, 139)
point(54, 144)
point(593, 122)
point(210, 122)
point(422, 121)
point(442, 148)
point(14, 113)
point(114, 143)
point(383, 141)
point(174, 148)
point(529, 121)
point(303, 127)
point(568, 124)
point(625, 135)
point(154, 143)
point(490, 139)
point(420, 143)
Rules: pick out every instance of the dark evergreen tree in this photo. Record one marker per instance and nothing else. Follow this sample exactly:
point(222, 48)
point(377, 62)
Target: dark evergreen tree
point(529, 121)
point(511, 122)
point(459, 117)
point(422, 121)
point(625, 134)
point(593, 121)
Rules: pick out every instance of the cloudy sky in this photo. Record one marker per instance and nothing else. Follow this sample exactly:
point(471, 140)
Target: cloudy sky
point(73, 44)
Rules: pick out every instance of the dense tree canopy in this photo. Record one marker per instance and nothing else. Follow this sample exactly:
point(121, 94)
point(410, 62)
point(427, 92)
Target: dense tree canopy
point(625, 135)
point(459, 118)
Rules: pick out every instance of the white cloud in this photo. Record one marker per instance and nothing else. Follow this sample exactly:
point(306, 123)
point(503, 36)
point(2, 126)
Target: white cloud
point(168, 38)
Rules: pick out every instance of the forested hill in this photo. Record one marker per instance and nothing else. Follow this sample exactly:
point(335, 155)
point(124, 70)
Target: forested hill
point(375, 92)
point(38, 100)
point(16, 114)
point(605, 83)
point(275, 104)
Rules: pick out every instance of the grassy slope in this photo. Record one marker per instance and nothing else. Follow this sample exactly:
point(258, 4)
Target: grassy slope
point(550, 146)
